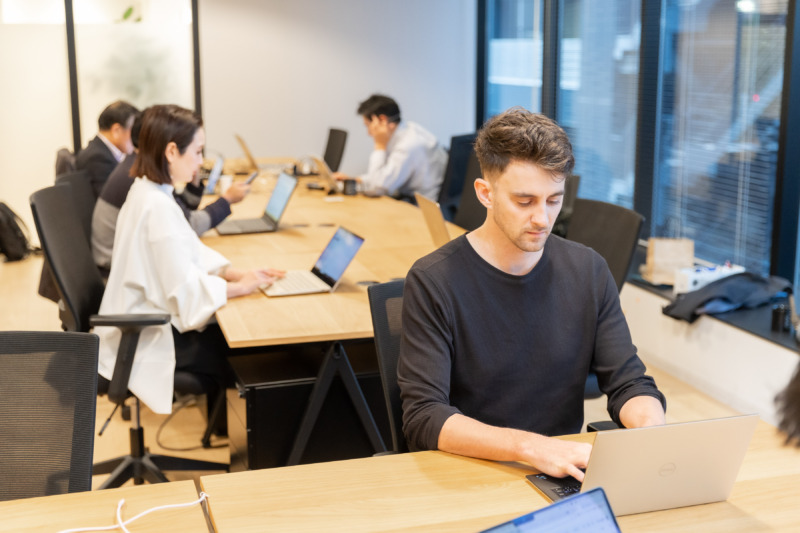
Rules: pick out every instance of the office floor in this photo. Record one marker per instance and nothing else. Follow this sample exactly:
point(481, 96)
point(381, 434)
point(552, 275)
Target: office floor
point(24, 309)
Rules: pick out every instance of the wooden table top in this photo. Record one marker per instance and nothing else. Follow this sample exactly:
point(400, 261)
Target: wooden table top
point(395, 237)
point(99, 508)
point(436, 491)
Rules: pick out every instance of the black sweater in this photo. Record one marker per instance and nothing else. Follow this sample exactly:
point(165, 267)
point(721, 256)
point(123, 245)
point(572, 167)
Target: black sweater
point(512, 351)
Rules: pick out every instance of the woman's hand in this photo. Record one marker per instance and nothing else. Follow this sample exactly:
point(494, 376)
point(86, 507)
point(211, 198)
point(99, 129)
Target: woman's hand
point(244, 282)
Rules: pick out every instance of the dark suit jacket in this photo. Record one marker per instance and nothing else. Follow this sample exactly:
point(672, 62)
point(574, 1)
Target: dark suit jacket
point(98, 161)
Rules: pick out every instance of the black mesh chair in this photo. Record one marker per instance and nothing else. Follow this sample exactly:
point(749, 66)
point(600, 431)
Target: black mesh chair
point(613, 232)
point(471, 213)
point(80, 289)
point(335, 148)
point(461, 147)
point(571, 186)
point(47, 414)
point(386, 303)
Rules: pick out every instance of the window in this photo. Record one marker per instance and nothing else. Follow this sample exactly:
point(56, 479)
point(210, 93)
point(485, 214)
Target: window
point(597, 91)
point(721, 80)
point(514, 55)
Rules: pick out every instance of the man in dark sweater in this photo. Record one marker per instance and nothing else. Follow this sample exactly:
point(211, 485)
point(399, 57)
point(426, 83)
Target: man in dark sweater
point(501, 326)
point(110, 146)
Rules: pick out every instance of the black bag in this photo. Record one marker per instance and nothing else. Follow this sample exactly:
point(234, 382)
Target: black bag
point(13, 241)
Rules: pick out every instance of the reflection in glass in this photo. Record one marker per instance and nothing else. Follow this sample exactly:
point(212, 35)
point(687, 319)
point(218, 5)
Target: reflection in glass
point(722, 80)
point(597, 94)
point(514, 55)
point(139, 51)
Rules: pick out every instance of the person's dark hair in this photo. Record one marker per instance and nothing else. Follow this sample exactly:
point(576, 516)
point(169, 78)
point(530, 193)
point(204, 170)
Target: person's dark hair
point(789, 409)
point(161, 125)
point(519, 135)
point(378, 104)
point(119, 112)
point(135, 130)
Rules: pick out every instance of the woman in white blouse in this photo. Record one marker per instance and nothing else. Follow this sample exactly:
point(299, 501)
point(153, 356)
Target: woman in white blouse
point(159, 265)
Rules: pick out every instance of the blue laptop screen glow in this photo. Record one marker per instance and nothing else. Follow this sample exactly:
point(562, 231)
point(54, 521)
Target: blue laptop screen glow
point(337, 255)
point(280, 196)
point(583, 513)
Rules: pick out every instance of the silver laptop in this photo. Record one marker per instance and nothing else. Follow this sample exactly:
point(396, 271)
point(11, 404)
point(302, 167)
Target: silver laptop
point(251, 161)
point(327, 271)
point(661, 467)
point(326, 176)
point(434, 220)
point(585, 512)
point(213, 175)
point(268, 222)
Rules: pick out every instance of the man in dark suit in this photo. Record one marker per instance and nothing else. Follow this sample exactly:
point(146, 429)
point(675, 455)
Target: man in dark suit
point(111, 144)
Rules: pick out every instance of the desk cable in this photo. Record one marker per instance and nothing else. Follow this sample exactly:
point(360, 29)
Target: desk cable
point(121, 524)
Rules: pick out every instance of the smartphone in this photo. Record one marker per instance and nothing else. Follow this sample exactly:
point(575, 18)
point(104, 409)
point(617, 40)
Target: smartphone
point(251, 177)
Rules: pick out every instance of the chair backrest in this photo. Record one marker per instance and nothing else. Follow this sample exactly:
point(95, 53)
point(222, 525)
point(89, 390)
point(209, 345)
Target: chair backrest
point(611, 230)
point(386, 303)
point(65, 161)
point(47, 414)
point(461, 146)
point(83, 198)
point(471, 212)
point(335, 148)
point(69, 255)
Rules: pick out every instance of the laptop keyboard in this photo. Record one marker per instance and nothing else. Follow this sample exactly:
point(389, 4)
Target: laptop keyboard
point(297, 282)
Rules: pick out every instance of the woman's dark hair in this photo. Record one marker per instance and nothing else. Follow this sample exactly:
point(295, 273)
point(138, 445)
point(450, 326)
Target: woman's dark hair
point(519, 135)
point(789, 409)
point(161, 125)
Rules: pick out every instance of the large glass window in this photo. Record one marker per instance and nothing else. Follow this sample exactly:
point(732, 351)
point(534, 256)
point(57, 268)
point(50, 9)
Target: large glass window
point(597, 86)
point(514, 55)
point(722, 75)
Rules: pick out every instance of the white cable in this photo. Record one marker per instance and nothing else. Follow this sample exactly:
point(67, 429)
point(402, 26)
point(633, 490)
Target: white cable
point(122, 524)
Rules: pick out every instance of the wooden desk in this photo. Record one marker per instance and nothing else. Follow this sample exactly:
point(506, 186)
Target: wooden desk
point(99, 508)
point(436, 491)
point(395, 236)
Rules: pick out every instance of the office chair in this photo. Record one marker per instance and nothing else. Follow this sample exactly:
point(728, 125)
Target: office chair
point(461, 146)
point(81, 288)
point(613, 232)
point(571, 186)
point(47, 414)
point(471, 213)
point(385, 304)
point(82, 198)
point(335, 148)
point(65, 161)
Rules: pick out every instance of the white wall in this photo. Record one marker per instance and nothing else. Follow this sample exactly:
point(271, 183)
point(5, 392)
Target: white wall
point(281, 72)
point(733, 366)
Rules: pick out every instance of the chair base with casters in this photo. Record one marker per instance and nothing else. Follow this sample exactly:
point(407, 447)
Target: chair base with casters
point(140, 465)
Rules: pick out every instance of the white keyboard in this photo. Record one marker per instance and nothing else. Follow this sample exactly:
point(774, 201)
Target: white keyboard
point(297, 282)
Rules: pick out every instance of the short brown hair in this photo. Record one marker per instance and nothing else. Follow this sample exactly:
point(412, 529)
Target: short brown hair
point(519, 135)
point(789, 409)
point(161, 125)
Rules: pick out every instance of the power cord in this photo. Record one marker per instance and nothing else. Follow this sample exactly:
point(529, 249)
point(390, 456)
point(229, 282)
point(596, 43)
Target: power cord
point(122, 524)
point(186, 401)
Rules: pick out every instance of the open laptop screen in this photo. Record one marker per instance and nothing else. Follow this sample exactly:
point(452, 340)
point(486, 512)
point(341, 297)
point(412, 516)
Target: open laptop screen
point(337, 256)
point(588, 511)
point(280, 196)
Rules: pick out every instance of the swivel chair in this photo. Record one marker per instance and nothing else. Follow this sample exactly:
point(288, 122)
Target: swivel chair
point(461, 147)
point(386, 304)
point(81, 288)
point(471, 213)
point(47, 414)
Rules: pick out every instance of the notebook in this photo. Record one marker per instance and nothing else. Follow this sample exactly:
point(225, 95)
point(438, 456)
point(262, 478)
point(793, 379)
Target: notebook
point(587, 512)
point(268, 222)
point(661, 467)
point(327, 271)
point(434, 220)
point(213, 175)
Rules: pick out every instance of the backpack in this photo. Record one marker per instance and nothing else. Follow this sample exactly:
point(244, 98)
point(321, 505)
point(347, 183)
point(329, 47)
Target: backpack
point(13, 240)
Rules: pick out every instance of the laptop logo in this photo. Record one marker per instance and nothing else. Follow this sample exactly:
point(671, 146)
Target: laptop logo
point(667, 469)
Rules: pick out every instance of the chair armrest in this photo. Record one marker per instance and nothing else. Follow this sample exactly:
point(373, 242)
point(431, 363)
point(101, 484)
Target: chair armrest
point(130, 320)
point(131, 325)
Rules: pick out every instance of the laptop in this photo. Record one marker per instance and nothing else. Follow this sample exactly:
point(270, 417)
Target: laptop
point(661, 467)
point(251, 161)
point(213, 175)
point(327, 271)
point(588, 511)
point(434, 220)
point(325, 174)
point(268, 222)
